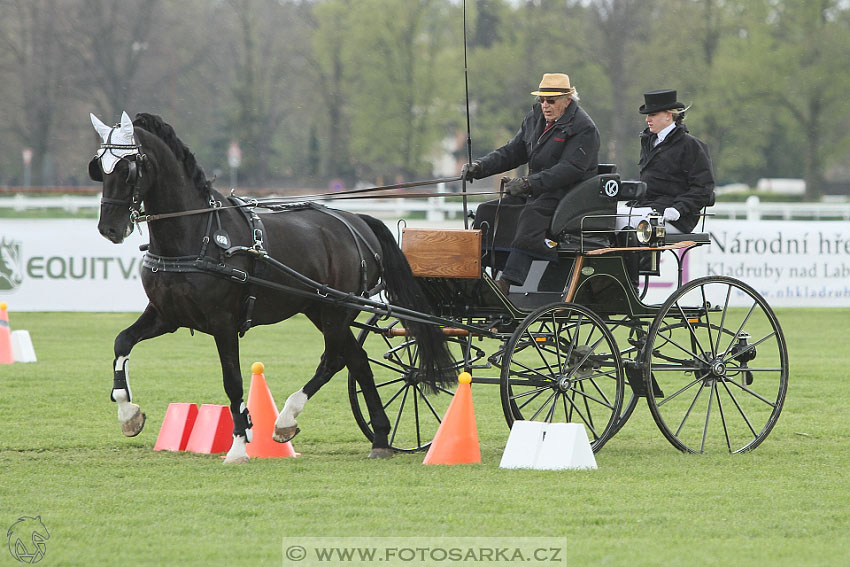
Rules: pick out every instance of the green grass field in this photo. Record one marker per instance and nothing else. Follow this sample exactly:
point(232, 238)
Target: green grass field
point(109, 500)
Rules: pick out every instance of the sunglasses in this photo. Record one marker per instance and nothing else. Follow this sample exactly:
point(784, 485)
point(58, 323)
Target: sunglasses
point(548, 99)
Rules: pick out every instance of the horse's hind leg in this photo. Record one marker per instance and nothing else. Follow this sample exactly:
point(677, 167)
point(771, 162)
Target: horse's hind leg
point(358, 366)
point(330, 322)
point(147, 326)
point(341, 349)
point(286, 426)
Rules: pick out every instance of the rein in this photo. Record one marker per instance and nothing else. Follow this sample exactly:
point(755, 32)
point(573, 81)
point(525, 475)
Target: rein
point(281, 203)
point(384, 187)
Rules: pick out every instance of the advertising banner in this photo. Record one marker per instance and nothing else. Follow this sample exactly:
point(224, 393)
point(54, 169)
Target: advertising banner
point(65, 265)
point(790, 263)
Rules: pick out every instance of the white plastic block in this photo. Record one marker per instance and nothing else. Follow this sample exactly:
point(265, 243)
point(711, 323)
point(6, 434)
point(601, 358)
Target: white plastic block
point(22, 349)
point(547, 446)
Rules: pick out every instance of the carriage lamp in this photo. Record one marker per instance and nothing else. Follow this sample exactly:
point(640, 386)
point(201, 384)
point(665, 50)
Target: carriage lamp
point(651, 231)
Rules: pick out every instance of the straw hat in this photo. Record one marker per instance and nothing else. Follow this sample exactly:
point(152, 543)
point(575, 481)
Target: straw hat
point(554, 84)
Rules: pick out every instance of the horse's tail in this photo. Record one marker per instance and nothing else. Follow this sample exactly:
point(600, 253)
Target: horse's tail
point(436, 365)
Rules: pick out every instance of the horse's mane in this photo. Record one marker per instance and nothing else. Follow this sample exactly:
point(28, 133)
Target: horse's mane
point(162, 130)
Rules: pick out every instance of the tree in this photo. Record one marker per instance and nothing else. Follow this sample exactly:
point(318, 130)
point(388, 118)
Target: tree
point(32, 34)
point(619, 27)
point(115, 37)
point(696, 49)
point(267, 58)
point(811, 44)
point(331, 27)
point(398, 90)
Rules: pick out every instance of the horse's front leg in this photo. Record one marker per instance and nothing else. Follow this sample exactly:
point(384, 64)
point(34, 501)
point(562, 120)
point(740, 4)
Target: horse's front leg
point(227, 344)
point(147, 326)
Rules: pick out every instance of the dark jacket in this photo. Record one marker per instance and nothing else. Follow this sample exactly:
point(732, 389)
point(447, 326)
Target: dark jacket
point(565, 155)
point(559, 159)
point(678, 174)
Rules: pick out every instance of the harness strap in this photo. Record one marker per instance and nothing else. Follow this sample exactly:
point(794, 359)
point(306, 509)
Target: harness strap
point(312, 290)
point(358, 239)
point(254, 277)
point(258, 268)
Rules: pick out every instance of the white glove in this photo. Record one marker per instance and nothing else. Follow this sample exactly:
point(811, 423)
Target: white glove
point(671, 214)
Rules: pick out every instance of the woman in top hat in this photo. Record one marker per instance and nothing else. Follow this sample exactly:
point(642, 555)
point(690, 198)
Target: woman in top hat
point(675, 166)
point(560, 144)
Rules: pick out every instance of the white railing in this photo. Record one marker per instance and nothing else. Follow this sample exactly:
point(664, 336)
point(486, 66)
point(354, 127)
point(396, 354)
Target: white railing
point(69, 203)
point(439, 209)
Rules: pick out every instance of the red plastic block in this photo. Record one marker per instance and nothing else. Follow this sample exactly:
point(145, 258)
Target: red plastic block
point(176, 427)
point(213, 431)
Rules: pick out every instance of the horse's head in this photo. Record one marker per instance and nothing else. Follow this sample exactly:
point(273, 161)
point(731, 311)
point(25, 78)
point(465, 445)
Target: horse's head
point(121, 165)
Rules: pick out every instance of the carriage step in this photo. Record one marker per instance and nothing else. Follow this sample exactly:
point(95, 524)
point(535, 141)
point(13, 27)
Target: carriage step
point(447, 331)
point(636, 381)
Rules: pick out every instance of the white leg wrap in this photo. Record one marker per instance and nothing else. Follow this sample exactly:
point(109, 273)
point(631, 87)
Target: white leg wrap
point(237, 453)
point(126, 410)
point(294, 405)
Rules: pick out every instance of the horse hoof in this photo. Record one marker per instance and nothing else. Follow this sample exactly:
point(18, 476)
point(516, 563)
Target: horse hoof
point(381, 454)
point(284, 434)
point(134, 425)
point(241, 460)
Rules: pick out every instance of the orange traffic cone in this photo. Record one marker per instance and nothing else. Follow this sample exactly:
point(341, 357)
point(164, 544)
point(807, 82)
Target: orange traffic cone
point(456, 441)
point(6, 356)
point(263, 416)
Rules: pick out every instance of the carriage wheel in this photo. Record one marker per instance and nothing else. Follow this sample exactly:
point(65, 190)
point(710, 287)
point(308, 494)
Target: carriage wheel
point(414, 411)
point(718, 355)
point(562, 365)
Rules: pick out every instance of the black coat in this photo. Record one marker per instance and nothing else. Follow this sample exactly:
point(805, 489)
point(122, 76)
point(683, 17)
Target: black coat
point(567, 154)
point(678, 173)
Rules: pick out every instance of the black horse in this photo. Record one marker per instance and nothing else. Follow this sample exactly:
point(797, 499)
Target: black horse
point(205, 251)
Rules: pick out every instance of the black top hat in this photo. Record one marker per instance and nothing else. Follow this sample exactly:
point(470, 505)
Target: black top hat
point(656, 101)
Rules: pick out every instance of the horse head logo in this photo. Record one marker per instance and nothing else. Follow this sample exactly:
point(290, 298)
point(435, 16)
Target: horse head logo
point(11, 268)
point(27, 539)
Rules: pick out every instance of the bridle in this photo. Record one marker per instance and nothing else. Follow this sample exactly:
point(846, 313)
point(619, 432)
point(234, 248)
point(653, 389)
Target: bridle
point(136, 162)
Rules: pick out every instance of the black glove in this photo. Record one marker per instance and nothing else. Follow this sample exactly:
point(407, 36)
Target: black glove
point(471, 171)
point(518, 186)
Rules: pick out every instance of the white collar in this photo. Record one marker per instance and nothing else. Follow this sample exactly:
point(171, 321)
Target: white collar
point(664, 133)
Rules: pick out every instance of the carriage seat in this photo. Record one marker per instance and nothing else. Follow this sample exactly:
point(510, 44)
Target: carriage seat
point(592, 204)
point(698, 237)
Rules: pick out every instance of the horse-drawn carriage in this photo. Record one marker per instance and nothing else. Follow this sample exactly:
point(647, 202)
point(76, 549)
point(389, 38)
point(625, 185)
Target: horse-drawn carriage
point(579, 344)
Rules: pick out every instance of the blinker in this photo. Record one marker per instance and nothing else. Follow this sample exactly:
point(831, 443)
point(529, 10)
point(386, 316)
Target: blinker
point(95, 172)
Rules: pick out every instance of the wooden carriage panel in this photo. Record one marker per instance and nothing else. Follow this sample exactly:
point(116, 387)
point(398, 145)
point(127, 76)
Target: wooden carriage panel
point(442, 253)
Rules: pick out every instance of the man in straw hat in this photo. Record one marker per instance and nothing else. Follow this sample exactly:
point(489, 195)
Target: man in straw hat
point(560, 144)
point(675, 166)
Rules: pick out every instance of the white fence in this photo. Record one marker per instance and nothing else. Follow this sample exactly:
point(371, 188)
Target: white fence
point(439, 209)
